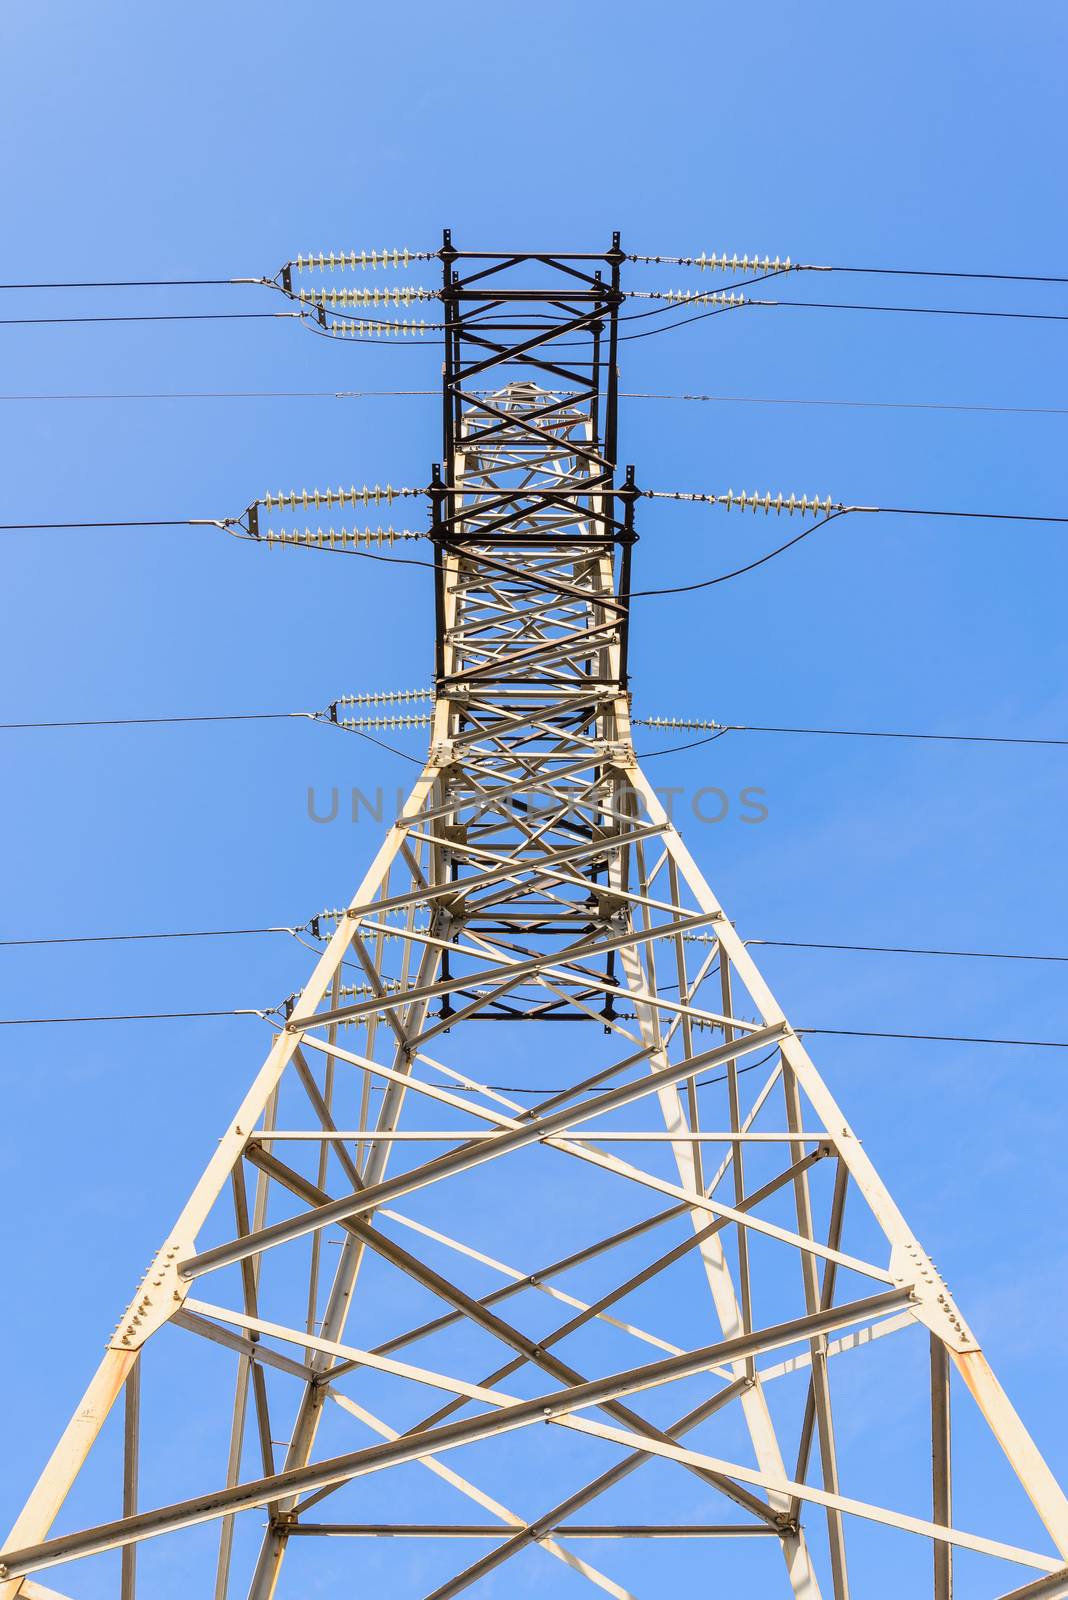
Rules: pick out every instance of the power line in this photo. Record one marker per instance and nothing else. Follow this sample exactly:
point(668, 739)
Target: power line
point(388, 339)
point(266, 1013)
point(231, 526)
point(865, 405)
point(975, 516)
point(868, 733)
point(127, 283)
point(833, 305)
point(929, 272)
point(234, 716)
point(700, 1083)
point(846, 733)
point(414, 760)
point(394, 394)
point(754, 502)
point(242, 394)
point(768, 503)
point(907, 950)
point(892, 272)
point(738, 572)
point(718, 730)
point(776, 267)
point(785, 944)
point(124, 938)
point(916, 311)
point(167, 316)
point(134, 522)
point(753, 1066)
point(126, 1016)
point(130, 722)
point(677, 749)
point(839, 511)
point(938, 1038)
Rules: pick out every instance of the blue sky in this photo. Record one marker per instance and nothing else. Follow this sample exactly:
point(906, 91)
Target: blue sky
point(138, 145)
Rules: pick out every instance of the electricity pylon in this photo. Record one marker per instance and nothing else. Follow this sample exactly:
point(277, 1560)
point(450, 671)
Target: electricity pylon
point(426, 1389)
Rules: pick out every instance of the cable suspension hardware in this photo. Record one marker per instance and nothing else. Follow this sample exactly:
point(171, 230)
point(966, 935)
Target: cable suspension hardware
point(336, 914)
point(247, 526)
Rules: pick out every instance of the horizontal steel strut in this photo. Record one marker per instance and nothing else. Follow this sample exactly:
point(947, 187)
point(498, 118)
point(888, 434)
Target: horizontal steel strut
point(533, 875)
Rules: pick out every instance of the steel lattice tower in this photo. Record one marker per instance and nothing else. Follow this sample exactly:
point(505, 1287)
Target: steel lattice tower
point(533, 877)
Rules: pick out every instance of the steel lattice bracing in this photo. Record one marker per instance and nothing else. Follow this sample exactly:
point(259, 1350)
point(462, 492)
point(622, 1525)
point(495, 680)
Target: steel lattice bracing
point(401, 1274)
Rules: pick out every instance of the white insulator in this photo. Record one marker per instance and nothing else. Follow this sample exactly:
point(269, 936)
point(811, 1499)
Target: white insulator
point(356, 991)
point(363, 495)
point(688, 724)
point(736, 263)
point(349, 328)
point(370, 697)
point(418, 719)
point(711, 297)
point(355, 538)
point(340, 261)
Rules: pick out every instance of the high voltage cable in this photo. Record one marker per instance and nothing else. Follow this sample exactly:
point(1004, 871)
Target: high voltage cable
point(169, 316)
point(733, 265)
point(832, 305)
point(844, 733)
point(874, 405)
point(741, 501)
point(126, 283)
point(722, 399)
point(346, 726)
point(305, 927)
point(265, 1015)
point(769, 266)
point(311, 304)
point(133, 522)
point(905, 950)
point(839, 511)
point(129, 722)
point(929, 272)
point(918, 311)
point(127, 1016)
point(855, 1033)
point(738, 572)
point(382, 743)
point(677, 749)
point(195, 933)
point(234, 716)
point(386, 333)
point(230, 525)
